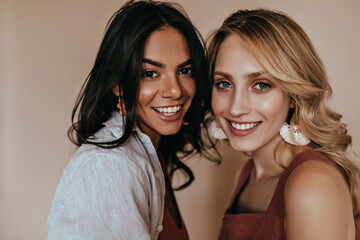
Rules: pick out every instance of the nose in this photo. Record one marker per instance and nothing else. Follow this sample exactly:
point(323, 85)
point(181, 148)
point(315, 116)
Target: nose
point(171, 87)
point(240, 103)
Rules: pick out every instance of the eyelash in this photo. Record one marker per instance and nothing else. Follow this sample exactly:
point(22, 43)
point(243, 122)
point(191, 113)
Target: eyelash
point(259, 86)
point(151, 73)
point(262, 86)
point(220, 85)
point(147, 72)
point(188, 72)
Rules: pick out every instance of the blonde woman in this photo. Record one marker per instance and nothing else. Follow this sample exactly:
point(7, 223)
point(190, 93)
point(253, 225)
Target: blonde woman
point(268, 97)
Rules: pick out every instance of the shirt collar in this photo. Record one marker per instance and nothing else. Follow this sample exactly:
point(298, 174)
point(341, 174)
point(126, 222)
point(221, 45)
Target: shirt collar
point(116, 124)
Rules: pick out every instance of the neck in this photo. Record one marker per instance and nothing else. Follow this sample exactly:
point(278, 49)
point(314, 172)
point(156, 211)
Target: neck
point(267, 163)
point(155, 139)
point(152, 134)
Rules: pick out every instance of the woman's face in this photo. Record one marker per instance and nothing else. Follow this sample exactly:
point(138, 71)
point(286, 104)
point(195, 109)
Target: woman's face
point(247, 104)
point(167, 86)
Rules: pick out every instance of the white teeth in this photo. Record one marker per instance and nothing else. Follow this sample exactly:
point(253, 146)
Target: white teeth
point(168, 111)
point(244, 126)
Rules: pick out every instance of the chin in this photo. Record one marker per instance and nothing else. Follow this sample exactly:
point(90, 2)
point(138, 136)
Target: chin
point(240, 147)
point(169, 132)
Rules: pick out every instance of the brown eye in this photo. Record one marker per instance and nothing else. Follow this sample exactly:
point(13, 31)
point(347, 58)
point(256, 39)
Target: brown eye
point(186, 71)
point(150, 74)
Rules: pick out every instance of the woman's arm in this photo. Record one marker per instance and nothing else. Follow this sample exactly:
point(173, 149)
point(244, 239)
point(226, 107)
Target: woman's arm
point(318, 204)
point(106, 198)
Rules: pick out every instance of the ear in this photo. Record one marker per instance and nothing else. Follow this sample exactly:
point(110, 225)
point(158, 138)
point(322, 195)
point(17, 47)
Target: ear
point(116, 90)
point(292, 104)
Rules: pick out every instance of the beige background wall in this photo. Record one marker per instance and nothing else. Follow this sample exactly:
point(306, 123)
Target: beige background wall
point(47, 49)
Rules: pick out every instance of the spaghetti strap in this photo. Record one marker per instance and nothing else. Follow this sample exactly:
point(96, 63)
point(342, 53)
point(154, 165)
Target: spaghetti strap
point(277, 205)
point(244, 176)
point(270, 224)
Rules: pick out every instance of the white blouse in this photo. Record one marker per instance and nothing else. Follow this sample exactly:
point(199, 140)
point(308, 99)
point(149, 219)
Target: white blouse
point(115, 193)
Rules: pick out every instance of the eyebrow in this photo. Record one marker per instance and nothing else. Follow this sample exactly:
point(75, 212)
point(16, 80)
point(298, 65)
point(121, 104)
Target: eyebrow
point(188, 62)
point(225, 75)
point(247, 76)
point(255, 74)
point(158, 64)
point(161, 65)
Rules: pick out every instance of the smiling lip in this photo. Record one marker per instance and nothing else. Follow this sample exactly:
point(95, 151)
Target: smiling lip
point(169, 113)
point(242, 128)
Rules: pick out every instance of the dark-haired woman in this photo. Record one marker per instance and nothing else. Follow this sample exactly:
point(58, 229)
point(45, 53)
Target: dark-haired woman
point(138, 109)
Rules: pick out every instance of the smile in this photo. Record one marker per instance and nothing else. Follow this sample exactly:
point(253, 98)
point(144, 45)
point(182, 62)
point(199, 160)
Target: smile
point(168, 111)
point(244, 126)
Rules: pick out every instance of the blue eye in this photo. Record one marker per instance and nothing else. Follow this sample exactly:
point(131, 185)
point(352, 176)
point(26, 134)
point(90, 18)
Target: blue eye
point(262, 86)
point(150, 74)
point(223, 84)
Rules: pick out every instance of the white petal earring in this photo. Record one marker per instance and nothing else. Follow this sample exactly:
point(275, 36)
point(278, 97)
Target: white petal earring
point(293, 135)
point(215, 131)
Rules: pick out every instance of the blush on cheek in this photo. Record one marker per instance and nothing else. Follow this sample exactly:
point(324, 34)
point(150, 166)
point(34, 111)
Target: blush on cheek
point(148, 89)
point(275, 107)
point(269, 106)
point(220, 102)
point(272, 102)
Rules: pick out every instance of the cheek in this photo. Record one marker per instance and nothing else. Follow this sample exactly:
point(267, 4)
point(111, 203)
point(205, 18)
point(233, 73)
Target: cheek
point(146, 92)
point(190, 88)
point(218, 102)
point(275, 106)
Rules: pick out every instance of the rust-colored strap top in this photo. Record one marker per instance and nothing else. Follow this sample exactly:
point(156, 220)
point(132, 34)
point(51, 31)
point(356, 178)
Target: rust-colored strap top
point(171, 230)
point(270, 224)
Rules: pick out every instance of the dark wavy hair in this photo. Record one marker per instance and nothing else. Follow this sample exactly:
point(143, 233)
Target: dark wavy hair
point(118, 63)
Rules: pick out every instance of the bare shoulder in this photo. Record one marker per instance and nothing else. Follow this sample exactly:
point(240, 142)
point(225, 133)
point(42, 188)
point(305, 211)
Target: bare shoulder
point(318, 204)
point(315, 178)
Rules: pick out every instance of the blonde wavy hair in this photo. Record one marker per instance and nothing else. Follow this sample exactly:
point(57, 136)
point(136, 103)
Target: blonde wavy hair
point(283, 48)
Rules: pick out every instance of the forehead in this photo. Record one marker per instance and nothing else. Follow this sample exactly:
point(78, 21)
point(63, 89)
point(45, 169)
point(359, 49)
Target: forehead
point(233, 55)
point(235, 60)
point(166, 43)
